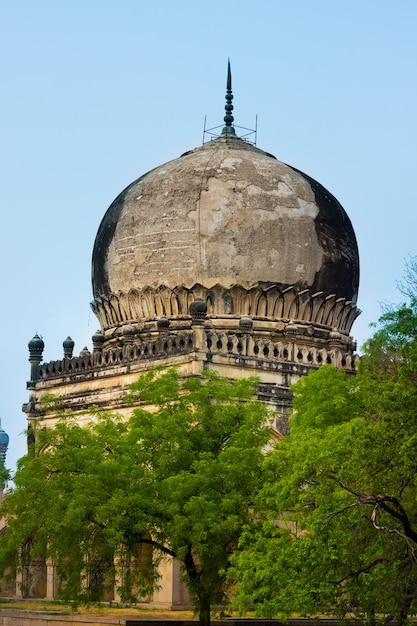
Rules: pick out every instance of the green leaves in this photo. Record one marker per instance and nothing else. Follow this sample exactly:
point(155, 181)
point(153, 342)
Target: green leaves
point(341, 494)
point(324, 398)
point(180, 475)
point(203, 447)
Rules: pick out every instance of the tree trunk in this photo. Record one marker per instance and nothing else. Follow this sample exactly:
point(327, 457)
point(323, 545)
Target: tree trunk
point(204, 610)
point(405, 605)
point(197, 589)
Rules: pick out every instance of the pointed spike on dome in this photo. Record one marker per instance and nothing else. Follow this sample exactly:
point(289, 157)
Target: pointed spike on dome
point(228, 118)
point(229, 77)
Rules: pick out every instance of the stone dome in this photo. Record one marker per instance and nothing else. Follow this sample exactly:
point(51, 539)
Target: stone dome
point(225, 214)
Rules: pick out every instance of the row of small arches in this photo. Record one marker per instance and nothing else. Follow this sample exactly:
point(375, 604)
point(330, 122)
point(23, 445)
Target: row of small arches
point(273, 303)
point(145, 350)
point(247, 346)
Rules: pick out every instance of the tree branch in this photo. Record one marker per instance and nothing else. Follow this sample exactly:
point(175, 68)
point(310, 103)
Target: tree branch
point(159, 546)
point(389, 504)
point(392, 530)
point(362, 570)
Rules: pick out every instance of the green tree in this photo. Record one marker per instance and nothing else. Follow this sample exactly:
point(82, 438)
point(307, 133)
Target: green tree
point(341, 492)
point(180, 476)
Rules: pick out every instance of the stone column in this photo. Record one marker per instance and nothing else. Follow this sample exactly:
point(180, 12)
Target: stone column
point(50, 580)
point(172, 592)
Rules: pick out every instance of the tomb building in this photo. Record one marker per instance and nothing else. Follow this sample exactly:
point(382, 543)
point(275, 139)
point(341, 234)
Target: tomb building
point(224, 258)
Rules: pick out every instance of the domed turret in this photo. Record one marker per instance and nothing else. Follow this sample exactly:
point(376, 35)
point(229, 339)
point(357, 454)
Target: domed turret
point(68, 345)
point(36, 346)
point(4, 443)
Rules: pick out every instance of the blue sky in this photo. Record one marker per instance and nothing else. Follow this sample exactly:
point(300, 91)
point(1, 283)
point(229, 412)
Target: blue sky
point(97, 92)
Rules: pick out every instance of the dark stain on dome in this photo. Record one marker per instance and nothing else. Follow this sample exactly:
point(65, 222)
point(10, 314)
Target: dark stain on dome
point(338, 241)
point(104, 238)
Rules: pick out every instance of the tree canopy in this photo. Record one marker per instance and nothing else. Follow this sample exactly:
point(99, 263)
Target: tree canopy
point(341, 492)
point(324, 523)
point(180, 477)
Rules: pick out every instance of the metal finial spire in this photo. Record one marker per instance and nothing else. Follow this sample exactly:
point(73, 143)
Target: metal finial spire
point(228, 118)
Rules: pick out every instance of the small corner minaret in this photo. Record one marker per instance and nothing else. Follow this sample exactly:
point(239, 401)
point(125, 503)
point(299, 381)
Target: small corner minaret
point(68, 345)
point(36, 346)
point(4, 443)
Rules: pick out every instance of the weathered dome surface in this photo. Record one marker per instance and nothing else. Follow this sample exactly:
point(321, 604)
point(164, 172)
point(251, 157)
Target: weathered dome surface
point(226, 213)
point(229, 224)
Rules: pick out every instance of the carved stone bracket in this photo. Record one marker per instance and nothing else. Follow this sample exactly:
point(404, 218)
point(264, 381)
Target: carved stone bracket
point(262, 301)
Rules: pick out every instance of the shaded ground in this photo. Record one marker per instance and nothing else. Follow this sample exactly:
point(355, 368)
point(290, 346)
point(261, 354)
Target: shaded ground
point(59, 608)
